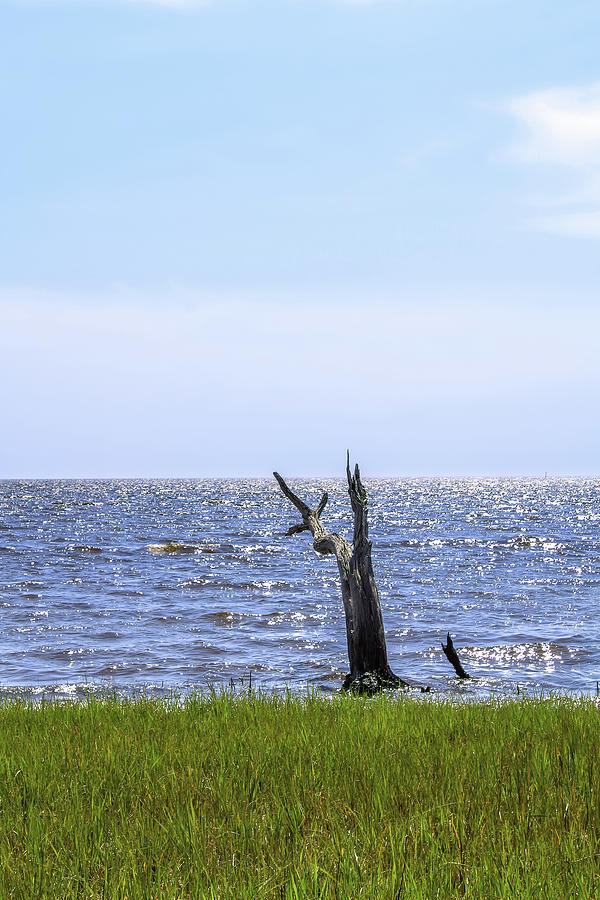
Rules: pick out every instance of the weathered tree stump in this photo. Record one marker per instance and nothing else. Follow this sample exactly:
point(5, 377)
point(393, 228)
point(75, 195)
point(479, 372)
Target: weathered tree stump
point(367, 652)
point(452, 657)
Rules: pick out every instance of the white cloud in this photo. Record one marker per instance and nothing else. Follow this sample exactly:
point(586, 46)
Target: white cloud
point(571, 224)
point(560, 132)
point(561, 126)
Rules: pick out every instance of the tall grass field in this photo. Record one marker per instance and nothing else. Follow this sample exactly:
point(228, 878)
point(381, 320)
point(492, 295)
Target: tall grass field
point(289, 797)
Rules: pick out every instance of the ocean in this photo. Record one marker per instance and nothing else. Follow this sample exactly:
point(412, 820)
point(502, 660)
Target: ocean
point(174, 586)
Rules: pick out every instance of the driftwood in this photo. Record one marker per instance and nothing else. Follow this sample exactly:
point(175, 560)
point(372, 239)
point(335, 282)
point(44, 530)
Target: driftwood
point(367, 652)
point(452, 657)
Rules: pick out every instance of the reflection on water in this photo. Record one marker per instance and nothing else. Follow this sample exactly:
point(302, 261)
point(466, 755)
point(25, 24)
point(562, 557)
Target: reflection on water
point(175, 585)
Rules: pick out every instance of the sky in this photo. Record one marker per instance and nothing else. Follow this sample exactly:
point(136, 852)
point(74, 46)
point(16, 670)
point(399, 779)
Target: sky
point(244, 236)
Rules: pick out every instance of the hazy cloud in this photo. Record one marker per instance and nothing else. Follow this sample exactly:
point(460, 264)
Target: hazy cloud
point(560, 126)
point(571, 224)
point(179, 383)
point(560, 129)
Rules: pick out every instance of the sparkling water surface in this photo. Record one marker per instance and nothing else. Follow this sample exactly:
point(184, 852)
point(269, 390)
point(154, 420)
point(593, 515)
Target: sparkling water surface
point(177, 585)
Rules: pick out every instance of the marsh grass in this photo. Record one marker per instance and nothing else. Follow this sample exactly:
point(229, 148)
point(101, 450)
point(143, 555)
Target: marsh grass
point(300, 797)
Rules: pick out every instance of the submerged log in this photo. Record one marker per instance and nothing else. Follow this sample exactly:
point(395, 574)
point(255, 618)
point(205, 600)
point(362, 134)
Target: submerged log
point(452, 657)
point(367, 652)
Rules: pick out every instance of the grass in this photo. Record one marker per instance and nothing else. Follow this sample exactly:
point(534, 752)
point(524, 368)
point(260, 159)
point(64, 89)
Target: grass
point(286, 797)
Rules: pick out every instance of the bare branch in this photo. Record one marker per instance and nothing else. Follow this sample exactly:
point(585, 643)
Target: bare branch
point(296, 529)
point(322, 504)
point(293, 498)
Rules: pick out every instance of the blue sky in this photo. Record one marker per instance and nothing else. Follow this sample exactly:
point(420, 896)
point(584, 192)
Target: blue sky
point(243, 236)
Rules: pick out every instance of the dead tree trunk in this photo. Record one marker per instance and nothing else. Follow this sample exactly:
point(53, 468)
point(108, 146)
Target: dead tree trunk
point(367, 653)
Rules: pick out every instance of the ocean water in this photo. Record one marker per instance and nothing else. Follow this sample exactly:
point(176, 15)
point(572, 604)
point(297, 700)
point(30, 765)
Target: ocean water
point(179, 585)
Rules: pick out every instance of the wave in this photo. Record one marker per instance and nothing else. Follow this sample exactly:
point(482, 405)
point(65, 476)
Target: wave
point(279, 618)
point(83, 548)
point(224, 617)
point(173, 547)
point(528, 652)
point(184, 547)
point(533, 542)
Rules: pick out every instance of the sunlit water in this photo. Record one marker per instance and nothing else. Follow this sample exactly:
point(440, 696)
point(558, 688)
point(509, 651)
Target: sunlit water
point(178, 585)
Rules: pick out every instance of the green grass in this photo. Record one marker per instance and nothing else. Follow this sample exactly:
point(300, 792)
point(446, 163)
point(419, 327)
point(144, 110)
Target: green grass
point(293, 798)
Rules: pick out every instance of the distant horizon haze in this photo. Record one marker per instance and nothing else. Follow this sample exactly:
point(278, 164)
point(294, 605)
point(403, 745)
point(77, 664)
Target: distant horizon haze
point(238, 237)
